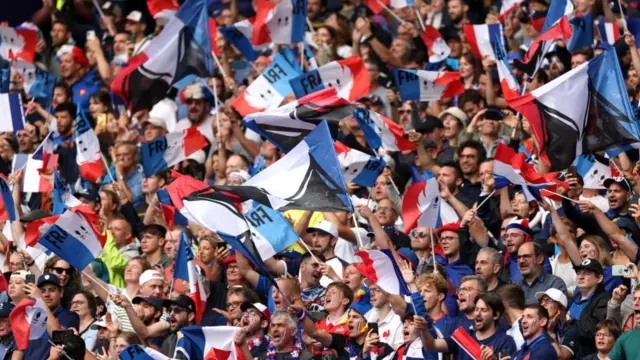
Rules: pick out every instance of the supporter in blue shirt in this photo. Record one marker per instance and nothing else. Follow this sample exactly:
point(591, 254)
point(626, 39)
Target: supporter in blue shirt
point(51, 293)
point(450, 243)
point(77, 73)
point(470, 288)
point(538, 345)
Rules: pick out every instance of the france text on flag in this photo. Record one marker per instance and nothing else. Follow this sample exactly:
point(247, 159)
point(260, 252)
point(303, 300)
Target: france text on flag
point(271, 231)
point(11, 112)
point(166, 151)
point(422, 85)
point(358, 167)
point(381, 132)
point(186, 270)
point(348, 76)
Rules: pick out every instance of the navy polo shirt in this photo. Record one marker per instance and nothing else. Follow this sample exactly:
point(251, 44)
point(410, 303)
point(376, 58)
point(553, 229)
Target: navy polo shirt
point(539, 348)
point(575, 310)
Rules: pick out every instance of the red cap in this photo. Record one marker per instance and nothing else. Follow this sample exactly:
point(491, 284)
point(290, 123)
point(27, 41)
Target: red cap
point(449, 227)
point(229, 259)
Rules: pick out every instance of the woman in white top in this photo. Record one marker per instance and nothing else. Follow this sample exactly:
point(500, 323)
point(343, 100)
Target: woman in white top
point(83, 303)
point(561, 265)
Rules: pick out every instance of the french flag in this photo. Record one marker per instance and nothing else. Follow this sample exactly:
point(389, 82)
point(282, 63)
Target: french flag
point(28, 321)
point(542, 45)
point(171, 214)
point(422, 205)
point(200, 342)
point(348, 76)
point(239, 35)
point(481, 38)
point(593, 170)
point(7, 207)
point(139, 352)
point(44, 152)
point(511, 168)
point(379, 267)
point(280, 23)
point(162, 10)
point(74, 237)
point(186, 270)
point(62, 196)
point(507, 7)
point(32, 180)
point(467, 343)
point(422, 85)
point(269, 89)
point(381, 132)
point(508, 81)
point(89, 157)
point(36, 82)
point(11, 112)
point(438, 49)
point(609, 32)
point(36, 228)
point(166, 151)
point(557, 10)
point(18, 43)
point(358, 167)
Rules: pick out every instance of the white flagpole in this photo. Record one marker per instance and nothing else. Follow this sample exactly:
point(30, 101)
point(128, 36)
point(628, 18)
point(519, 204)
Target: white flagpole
point(433, 251)
point(109, 29)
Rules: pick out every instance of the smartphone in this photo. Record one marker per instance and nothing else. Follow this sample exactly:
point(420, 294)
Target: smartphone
point(620, 270)
point(101, 343)
point(30, 279)
point(60, 336)
point(503, 353)
point(101, 122)
point(91, 34)
point(221, 245)
point(373, 326)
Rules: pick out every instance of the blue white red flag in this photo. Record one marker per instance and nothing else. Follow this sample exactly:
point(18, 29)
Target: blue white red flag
point(198, 342)
point(422, 85)
point(438, 49)
point(171, 214)
point(280, 23)
point(348, 76)
point(239, 35)
point(18, 43)
point(168, 150)
point(7, 207)
point(89, 156)
point(542, 45)
point(271, 231)
point(423, 207)
point(481, 38)
point(32, 179)
point(185, 269)
point(511, 168)
point(36, 82)
point(593, 170)
point(139, 352)
point(381, 132)
point(581, 32)
point(11, 112)
point(62, 196)
point(508, 81)
point(45, 152)
point(557, 9)
point(609, 32)
point(28, 321)
point(379, 267)
point(358, 167)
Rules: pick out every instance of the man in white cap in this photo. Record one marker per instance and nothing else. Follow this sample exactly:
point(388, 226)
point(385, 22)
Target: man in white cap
point(154, 127)
point(324, 238)
point(137, 27)
point(199, 100)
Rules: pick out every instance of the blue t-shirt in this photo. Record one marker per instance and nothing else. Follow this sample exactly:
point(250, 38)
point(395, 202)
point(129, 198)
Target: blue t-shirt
point(462, 321)
point(514, 270)
point(66, 318)
point(575, 310)
point(85, 87)
point(498, 342)
point(539, 348)
point(456, 271)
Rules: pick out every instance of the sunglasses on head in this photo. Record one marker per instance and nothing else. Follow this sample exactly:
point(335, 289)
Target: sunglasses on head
point(60, 270)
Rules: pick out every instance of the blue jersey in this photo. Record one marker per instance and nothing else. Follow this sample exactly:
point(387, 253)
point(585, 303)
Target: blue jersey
point(540, 348)
point(85, 87)
point(498, 342)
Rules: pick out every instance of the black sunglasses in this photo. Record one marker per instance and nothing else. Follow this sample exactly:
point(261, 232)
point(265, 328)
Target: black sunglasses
point(60, 270)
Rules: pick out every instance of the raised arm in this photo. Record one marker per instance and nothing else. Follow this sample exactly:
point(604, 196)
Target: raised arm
point(563, 233)
point(309, 327)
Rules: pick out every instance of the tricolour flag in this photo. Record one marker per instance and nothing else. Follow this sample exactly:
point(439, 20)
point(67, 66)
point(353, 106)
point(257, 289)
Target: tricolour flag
point(185, 269)
point(542, 45)
point(182, 48)
point(511, 168)
point(481, 38)
point(28, 321)
point(162, 10)
point(358, 167)
point(467, 343)
point(166, 151)
point(379, 267)
point(609, 32)
point(581, 32)
point(348, 76)
point(18, 43)
point(508, 81)
point(438, 49)
point(45, 152)
point(239, 35)
point(593, 170)
point(289, 124)
point(7, 207)
point(423, 206)
point(280, 22)
point(583, 111)
point(89, 157)
point(32, 179)
point(62, 196)
point(269, 89)
point(11, 112)
point(271, 231)
point(170, 213)
point(381, 132)
point(198, 342)
point(557, 10)
point(74, 238)
point(36, 82)
point(139, 352)
point(422, 85)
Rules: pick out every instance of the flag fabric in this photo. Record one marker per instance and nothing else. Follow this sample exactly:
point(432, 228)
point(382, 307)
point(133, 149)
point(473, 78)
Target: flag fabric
point(609, 32)
point(186, 270)
point(422, 85)
point(537, 20)
point(269, 89)
point(45, 152)
point(89, 157)
point(379, 267)
point(507, 7)
point(18, 43)
point(213, 35)
point(593, 170)
point(422, 205)
point(280, 23)
point(162, 10)
point(348, 76)
point(583, 111)
point(239, 35)
point(311, 60)
point(381, 132)
point(7, 207)
point(62, 196)
point(36, 82)
point(74, 238)
point(166, 151)
point(581, 32)
point(375, 5)
point(438, 49)
point(481, 38)
point(11, 112)
point(170, 213)
point(467, 343)
point(309, 177)
point(511, 168)
point(358, 167)
point(508, 81)
point(139, 352)
point(289, 124)
point(28, 321)
point(542, 45)
point(182, 48)
point(271, 231)
point(198, 342)
point(557, 10)
point(32, 179)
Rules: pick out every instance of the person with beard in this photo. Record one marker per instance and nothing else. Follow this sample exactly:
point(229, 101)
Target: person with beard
point(182, 313)
point(488, 267)
point(150, 309)
point(255, 321)
point(323, 241)
point(531, 266)
point(470, 155)
point(537, 344)
point(313, 294)
point(198, 99)
point(358, 344)
point(451, 181)
point(471, 287)
point(67, 166)
point(283, 343)
point(516, 234)
point(487, 311)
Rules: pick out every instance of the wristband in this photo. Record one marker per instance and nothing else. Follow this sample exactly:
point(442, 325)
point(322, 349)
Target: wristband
point(301, 315)
point(30, 265)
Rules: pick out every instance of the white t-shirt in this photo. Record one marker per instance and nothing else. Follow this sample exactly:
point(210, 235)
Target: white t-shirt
point(390, 329)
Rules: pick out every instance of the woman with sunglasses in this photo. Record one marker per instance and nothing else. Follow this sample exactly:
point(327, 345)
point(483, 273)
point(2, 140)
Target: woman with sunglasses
point(69, 278)
point(84, 304)
point(556, 304)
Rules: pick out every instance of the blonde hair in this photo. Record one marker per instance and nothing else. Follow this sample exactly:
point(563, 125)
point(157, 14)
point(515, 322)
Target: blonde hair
point(433, 279)
point(604, 258)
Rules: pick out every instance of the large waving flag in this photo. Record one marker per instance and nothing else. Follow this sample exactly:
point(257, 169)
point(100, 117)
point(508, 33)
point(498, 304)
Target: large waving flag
point(32, 180)
point(271, 231)
point(62, 196)
point(581, 32)
point(182, 48)
point(348, 76)
point(287, 125)
point(37, 82)
point(139, 352)
point(239, 35)
point(358, 167)
point(609, 32)
point(89, 157)
point(198, 342)
point(7, 207)
point(438, 49)
point(557, 9)
point(11, 112)
point(185, 269)
point(269, 89)
point(381, 132)
point(28, 321)
point(508, 81)
point(171, 215)
point(481, 38)
point(18, 43)
point(593, 170)
point(74, 237)
point(542, 45)
point(279, 23)
point(583, 111)
point(422, 205)
point(511, 168)
point(422, 85)
point(166, 151)
point(379, 267)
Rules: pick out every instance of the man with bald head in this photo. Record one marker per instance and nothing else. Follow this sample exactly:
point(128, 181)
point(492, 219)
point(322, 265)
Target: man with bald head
point(534, 279)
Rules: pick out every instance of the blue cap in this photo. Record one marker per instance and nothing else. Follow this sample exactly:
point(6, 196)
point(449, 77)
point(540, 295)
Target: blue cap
point(49, 279)
point(408, 254)
point(362, 301)
point(5, 309)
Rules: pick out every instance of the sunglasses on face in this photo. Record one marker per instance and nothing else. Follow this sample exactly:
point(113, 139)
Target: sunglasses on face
point(60, 270)
point(418, 234)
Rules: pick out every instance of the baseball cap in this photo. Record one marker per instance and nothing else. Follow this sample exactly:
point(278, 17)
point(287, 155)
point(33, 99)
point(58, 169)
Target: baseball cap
point(5, 309)
point(155, 121)
point(457, 113)
point(324, 226)
point(34, 215)
point(149, 275)
point(154, 301)
point(553, 294)
point(182, 301)
point(258, 306)
point(493, 113)
point(22, 274)
point(618, 180)
point(49, 279)
point(135, 16)
point(429, 124)
point(196, 91)
point(591, 265)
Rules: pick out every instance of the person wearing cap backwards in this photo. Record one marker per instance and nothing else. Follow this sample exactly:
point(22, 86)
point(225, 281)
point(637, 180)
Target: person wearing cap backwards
point(358, 344)
point(7, 342)
point(587, 309)
point(255, 320)
point(78, 74)
point(136, 28)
